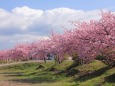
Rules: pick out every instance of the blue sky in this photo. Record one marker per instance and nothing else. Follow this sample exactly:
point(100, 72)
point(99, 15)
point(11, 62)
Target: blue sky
point(50, 4)
point(23, 21)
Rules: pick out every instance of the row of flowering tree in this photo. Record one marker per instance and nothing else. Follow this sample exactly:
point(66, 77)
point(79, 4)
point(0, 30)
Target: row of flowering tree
point(87, 41)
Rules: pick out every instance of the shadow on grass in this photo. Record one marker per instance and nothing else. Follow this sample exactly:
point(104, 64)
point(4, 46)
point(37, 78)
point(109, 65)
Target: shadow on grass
point(40, 67)
point(90, 75)
point(34, 78)
point(110, 79)
point(12, 73)
point(70, 71)
point(75, 64)
point(49, 68)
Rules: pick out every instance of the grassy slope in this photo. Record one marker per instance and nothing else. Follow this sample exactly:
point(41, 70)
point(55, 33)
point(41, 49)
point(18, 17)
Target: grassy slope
point(93, 74)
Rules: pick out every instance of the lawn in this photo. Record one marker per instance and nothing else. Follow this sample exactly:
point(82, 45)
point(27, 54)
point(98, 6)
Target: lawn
point(49, 74)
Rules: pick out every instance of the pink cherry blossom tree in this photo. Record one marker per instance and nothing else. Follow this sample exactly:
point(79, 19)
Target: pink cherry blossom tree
point(84, 42)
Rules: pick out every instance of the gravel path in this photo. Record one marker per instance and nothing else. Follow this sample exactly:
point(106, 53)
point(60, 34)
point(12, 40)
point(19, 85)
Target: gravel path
point(10, 83)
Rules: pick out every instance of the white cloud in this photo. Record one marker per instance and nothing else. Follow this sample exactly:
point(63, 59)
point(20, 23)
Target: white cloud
point(26, 38)
point(9, 42)
point(26, 24)
point(27, 14)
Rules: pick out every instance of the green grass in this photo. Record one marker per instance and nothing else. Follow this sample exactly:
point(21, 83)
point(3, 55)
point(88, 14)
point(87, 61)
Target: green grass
point(93, 74)
point(28, 73)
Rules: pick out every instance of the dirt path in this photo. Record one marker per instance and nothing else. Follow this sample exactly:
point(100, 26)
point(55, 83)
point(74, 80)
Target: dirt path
point(10, 83)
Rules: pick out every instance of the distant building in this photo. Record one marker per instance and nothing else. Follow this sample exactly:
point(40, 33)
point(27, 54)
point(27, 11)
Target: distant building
point(69, 58)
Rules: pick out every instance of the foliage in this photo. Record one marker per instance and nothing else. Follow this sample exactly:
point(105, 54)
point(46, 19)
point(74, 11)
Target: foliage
point(87, 40)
